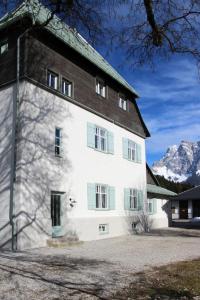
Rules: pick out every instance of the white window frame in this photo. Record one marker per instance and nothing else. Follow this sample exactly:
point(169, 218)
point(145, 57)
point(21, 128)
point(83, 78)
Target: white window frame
point(101, 194)
point(123, 102)
point(66, 87)
point(133, 199)
point(101, 87)
point(58, 142)
point(101, 139)
point(3, 47)
point(50, 76)
point(103, 228)
point(131, 150)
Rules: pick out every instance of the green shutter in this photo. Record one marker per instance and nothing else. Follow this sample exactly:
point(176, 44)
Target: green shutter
point(111, 192)
point(91, 195)
point(110, 142)
point(154, 206)
point(138, 153)
point(125, 148)
point(127, 199)
point(140, 200)
point(91, 135)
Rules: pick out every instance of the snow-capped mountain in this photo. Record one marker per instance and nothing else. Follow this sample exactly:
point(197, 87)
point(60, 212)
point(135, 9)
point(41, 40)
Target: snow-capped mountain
point(180, 163)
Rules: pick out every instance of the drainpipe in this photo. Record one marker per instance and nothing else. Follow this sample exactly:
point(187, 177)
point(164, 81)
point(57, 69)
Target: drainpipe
point(16, 101)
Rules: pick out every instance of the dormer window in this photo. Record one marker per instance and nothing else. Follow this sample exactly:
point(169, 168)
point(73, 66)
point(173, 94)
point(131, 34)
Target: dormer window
point(52, 80)
point(122, 102)
point(3, 47)
point(100, 87)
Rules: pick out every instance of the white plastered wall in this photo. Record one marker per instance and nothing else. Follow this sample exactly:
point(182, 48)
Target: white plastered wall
point(41, 172)
point(6, 117)
point(160, 218)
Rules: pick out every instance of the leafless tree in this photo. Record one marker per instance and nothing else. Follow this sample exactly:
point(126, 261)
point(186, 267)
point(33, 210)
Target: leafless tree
point(147, 29)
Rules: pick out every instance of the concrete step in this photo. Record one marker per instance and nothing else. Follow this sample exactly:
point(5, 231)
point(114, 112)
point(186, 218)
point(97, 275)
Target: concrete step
point(63, 242)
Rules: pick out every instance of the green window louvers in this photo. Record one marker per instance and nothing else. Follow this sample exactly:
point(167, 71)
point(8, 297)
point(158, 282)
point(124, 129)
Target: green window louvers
point(138, 153)
point(140, 200)
point(154, 206)
point(91, 135)
point(111, 192)
point(91, 196)
point(127, 199)
point(125, 148)
point(110, 141)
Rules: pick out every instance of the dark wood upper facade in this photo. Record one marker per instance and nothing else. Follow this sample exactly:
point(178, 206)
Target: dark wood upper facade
point(40, 51)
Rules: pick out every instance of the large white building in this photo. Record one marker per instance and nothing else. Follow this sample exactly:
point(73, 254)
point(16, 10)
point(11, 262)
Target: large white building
point(72, 140)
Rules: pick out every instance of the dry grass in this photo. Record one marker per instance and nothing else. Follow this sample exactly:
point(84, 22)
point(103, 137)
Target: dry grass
point(175, 281)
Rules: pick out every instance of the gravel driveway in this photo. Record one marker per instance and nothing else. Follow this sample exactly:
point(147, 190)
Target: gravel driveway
point(92, 270)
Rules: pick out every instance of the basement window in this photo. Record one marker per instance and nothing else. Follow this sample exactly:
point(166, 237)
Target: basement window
point(103, 228)
point(3, 47)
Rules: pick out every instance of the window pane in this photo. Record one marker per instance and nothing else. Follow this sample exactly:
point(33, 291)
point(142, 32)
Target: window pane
point(4, 48)
point(135, 202)
point(96, 142)
point(58, 141)
point(97, 200)
point(103, 144)
point(52, 80)
point(100, 88)
point(66, 88)
point(58, 131)
point(104, 201)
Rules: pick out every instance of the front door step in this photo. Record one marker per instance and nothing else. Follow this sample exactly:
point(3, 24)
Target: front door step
point(62, 242)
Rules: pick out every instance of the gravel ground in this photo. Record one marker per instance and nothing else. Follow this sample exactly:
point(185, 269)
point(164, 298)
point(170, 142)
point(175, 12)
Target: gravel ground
point(92, 270)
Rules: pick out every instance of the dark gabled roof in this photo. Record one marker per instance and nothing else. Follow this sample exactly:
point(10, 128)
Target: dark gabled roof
point(191, 194)
point(151, 175)
point(39, 14)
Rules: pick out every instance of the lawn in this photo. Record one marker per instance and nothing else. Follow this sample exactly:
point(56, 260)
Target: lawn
point(174, 281)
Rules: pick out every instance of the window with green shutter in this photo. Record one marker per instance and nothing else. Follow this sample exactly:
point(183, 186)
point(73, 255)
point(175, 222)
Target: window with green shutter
point(131, 150)
point(100, 139)
point(133, 199)
point(152, 206)
point(100, 197)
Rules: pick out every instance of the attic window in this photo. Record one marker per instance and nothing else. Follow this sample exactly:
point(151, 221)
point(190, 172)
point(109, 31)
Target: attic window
point(100, 87)
point(3, 47)
point(52, 80)
point(66, 87)
point(122, 102)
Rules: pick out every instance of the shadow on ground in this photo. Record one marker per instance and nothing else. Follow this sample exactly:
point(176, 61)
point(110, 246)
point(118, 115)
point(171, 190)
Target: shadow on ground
point(75, 276)
point(176, 232)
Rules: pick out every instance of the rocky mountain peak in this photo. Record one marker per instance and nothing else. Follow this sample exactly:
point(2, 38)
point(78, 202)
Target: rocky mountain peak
point(180, 162)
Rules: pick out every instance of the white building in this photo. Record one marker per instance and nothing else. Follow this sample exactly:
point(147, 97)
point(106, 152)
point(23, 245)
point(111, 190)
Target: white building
point(72, 140)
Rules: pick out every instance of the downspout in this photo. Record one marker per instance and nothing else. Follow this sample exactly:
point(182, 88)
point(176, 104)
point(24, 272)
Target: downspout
point(16, 101)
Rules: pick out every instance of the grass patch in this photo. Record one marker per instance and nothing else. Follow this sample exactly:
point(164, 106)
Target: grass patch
point(175, 281)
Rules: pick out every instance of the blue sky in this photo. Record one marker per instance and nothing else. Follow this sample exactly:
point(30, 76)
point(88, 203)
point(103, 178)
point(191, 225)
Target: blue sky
point(169, 100)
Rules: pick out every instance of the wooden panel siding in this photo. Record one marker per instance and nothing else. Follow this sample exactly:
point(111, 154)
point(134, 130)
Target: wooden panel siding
point(48, 54)
point(42, 51)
